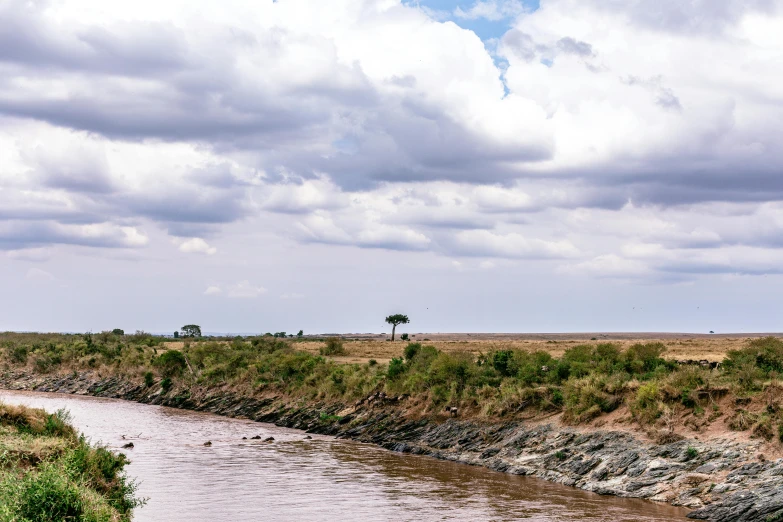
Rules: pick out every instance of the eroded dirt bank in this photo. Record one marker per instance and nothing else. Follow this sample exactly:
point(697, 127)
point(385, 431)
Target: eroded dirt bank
point(720, 480)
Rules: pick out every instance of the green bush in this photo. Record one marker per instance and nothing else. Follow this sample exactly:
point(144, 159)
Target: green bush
point(18, 354)
point(396, 368)
point(49, 495)
point(411, 351)
point(77, 482)
point(644, 358)
point(588, 397)
point(149, 380)
point(171, 363)
point(646, 406)
point(503, 363)
point(334, 346)
point(757, 361)
point(166, 384)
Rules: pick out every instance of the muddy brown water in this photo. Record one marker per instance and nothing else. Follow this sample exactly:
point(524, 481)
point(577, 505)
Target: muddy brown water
point(311, 480)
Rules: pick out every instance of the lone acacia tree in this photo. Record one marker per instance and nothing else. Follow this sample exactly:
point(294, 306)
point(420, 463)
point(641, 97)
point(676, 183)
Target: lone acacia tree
point(396, 319)
point(191, 330)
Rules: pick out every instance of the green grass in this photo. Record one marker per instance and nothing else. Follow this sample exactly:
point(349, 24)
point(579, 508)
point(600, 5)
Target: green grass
point(49, 473)
point(586, 382)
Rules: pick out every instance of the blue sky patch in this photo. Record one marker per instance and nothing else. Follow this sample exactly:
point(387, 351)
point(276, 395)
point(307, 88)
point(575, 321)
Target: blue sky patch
point(484, 28)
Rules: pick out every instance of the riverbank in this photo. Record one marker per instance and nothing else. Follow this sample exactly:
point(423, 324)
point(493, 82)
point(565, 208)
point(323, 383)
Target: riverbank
point(720, 479)
point(48, 472)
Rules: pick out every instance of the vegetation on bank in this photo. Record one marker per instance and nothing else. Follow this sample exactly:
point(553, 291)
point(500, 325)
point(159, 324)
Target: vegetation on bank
point(50, 473)
point(586, 382)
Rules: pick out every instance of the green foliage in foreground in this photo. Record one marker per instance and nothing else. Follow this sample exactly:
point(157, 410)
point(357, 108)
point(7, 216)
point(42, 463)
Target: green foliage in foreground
point(585, 382)
point(49, 474)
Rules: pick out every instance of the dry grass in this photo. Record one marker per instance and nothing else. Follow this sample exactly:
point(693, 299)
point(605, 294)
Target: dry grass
point(359, 350)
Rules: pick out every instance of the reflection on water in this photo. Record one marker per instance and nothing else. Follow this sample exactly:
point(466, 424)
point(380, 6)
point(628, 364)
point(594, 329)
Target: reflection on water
point(319, 479)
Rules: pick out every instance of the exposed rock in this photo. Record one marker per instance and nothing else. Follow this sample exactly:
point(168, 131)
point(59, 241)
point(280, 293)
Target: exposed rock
point(725, 482)
point(127, 446)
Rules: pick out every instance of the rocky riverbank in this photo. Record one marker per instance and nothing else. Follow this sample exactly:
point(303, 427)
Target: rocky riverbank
point(720, 480)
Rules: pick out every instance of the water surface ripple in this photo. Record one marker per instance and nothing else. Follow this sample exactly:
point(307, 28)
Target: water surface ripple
point(311, 480)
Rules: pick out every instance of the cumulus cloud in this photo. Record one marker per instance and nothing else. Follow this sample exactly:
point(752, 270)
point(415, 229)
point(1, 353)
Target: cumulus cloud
point(122, 123)
point(245, 290)
point(23, 235)
point(196, 245)
point(213, 290)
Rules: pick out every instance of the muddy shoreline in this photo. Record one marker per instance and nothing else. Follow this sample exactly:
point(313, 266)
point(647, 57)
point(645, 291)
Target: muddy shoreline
point(721, 480)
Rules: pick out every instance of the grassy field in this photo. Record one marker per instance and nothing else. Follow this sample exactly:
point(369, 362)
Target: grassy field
point(635, 380)
point(48, 472)
point(678, 346)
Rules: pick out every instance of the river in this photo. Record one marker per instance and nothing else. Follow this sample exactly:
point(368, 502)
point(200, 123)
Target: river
point(320, 479)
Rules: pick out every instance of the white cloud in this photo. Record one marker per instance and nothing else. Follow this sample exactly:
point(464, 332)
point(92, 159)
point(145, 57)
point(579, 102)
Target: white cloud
point(36, 255)
point(493, 10)
point(245, 290)
point(303, 197)
point(196, 245)
point(610, 266)
point(512, 245)
point(213, 290)
point(280, 129)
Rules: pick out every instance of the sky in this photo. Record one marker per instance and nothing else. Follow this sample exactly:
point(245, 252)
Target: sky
point(480, 165)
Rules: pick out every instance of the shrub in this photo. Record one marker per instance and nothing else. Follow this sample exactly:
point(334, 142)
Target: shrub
point(76, 482)
point(755, 362)
point(396, 368)
point(588, 397)
point(118, 331)
point(647, 405)
point(411, 351)
point(530, 367)
point(49, 495)
point(763, 428)
point(171, 363)
point(372, 362)
point(334, 346)
point(148, 379)
point(166, 384)
point(780, 432)
point(42, 363)
point(18, 354)
point(448, 368)
point(691, 453)
point(404, 337)
point(644, 358)
point(742, 420)
point(503, 362)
